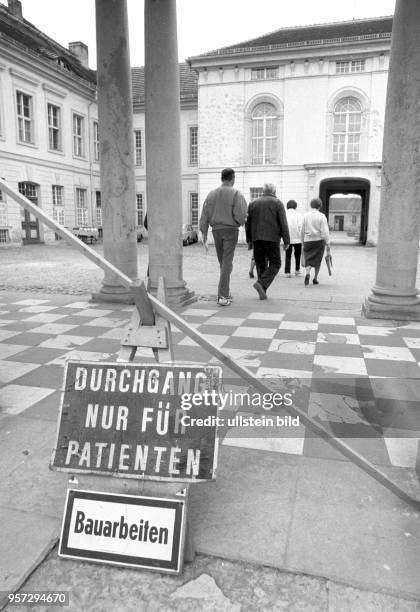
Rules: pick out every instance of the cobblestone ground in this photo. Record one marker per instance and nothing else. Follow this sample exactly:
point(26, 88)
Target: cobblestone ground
point(208, 584)
point(60, 268)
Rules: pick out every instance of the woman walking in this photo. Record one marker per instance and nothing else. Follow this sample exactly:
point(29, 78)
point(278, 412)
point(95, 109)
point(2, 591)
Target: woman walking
point(315, 236)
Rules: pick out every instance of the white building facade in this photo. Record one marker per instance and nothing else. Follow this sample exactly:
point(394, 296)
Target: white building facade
point(49, 133)
point(302, 108)
point(48, 129)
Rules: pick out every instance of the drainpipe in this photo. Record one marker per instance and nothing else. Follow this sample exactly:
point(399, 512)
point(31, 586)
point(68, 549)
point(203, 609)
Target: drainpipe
point(90, 127)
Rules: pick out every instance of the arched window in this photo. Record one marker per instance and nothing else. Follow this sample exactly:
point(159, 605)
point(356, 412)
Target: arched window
point(347, 129)
point(264, 134)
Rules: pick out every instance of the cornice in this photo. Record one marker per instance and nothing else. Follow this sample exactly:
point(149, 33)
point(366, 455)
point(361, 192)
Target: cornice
point(287, 52)
point(53, 90)
point(24, 77)
point(47, 163)
point(369, 164)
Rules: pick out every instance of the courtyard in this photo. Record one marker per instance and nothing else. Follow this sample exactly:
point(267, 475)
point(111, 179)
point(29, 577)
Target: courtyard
point(60, 268)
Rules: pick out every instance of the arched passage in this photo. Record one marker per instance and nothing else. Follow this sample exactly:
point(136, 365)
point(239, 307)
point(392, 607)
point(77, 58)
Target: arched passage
point(357, 186)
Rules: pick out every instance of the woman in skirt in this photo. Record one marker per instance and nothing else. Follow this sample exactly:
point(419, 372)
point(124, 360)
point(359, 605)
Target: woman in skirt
point(315, 235)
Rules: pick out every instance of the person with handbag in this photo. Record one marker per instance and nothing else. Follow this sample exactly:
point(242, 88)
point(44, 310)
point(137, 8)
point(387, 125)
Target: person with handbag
point(315, 237)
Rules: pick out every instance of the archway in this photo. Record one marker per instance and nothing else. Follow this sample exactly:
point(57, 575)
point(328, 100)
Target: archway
point(347, 186)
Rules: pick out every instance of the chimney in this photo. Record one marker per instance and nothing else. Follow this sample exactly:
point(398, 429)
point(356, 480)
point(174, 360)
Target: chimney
point(15, 7)
point(81, 51)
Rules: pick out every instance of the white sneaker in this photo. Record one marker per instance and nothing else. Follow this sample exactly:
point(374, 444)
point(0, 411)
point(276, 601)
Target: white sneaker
point(222, 301)
point(288, 275)
point(298, 273)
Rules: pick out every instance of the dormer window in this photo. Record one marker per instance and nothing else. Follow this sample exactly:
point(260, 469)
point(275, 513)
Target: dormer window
point(63, 63)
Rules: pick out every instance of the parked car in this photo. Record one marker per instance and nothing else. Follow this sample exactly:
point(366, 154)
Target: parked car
point(86, 234)
point(141, 233)
point(189, 235)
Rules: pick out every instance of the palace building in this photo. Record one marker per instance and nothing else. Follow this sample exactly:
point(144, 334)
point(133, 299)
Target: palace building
point(301, 107)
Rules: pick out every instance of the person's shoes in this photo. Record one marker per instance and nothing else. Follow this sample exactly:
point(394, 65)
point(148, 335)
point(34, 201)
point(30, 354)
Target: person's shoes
point(251, 274)
point(306, 281)
point(315, 282)
point(260, 290)
point(298, 273)
point(222, 301)
point(287, 275)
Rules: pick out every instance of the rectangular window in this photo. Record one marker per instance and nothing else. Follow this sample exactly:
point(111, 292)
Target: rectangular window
point(350, 66)
point(25, 117)
point(140, 211)
point(194, 145)
point(98, 209)
point(271, 73)
point(357, 66)
point(54, 127)
point(96, 141)
point(58, 204)
point(346, 147)
point(354, 219)
point(3, 210)
point(255, 192)
point(194, 209)
point(81, 207)
point(4, 235)
point(259, 74)
point(138, 148)
point(78, 135)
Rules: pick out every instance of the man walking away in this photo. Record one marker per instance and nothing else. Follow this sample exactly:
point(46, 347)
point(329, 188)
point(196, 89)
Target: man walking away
point(294, 221)
point(265, 226)
point(224, 209)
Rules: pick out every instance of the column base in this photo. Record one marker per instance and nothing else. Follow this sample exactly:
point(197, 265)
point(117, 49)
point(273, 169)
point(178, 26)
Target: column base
point(113, 293)
point(389, 304)
point(177, 293)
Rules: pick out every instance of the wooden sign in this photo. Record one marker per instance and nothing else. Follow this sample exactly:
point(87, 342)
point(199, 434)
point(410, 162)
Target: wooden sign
point(138, 421)
point(129, 530)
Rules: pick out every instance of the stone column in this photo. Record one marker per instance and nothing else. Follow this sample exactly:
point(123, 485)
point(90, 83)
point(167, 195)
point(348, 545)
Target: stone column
point(163, 149)
point(394, 296)
point(116, 147)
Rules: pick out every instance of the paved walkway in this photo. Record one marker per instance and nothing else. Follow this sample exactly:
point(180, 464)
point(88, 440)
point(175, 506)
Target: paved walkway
point(59, 268)
point(289, 501)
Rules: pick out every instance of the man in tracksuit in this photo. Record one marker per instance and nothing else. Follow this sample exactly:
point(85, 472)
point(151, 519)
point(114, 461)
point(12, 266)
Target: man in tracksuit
point(265, 226)
point(224, 210)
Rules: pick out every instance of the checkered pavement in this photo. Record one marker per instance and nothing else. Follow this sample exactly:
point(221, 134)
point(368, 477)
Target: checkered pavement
point(360, 379)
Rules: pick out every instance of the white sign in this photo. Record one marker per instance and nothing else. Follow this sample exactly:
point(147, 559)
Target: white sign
point(124, 529)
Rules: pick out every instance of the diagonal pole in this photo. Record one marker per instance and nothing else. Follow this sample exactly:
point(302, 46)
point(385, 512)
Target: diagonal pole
point(165, 312)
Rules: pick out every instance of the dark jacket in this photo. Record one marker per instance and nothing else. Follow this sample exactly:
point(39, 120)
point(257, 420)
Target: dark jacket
point(267, 220)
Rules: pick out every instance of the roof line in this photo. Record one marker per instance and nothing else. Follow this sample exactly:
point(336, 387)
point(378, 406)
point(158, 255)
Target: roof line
point(289, 28)
point(291, 45)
